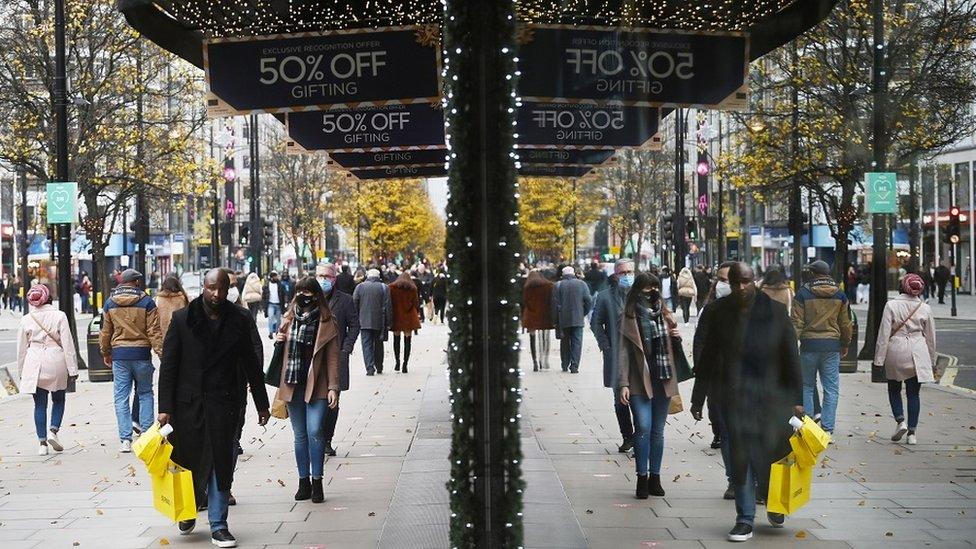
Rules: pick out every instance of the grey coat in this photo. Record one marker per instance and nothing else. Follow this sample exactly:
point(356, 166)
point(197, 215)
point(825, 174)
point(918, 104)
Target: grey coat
point(372, 299)
point(571, 300)
point(605, 325)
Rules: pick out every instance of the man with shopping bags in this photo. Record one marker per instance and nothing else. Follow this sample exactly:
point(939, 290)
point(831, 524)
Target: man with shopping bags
point(750, 368)
point(208, 359)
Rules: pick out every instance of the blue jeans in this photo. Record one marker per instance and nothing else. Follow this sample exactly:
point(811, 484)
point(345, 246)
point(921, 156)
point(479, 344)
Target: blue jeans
point(274, 317)
point(40, 411)
point(650, 415)
point(745, 498)
point(912, 387)
point(307, 421)
point(217, 504)
point(571, 347)
point(126, 373)
point(827, 364)
point(371, 340)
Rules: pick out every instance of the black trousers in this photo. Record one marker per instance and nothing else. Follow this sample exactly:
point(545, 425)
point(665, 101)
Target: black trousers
point(331, 417)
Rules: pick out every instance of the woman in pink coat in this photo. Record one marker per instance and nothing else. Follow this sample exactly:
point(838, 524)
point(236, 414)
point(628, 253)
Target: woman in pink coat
point(46, 358)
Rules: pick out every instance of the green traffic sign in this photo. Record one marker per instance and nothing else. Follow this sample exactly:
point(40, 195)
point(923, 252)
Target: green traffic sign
point(881, 192)
point(62, 203)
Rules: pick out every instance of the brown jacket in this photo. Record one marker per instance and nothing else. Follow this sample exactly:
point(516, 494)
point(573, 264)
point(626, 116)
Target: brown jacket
point(632, 355)
point(406, 309)
point(168, 303)
point(130, 326)
point(323, 374)
point(536, 305)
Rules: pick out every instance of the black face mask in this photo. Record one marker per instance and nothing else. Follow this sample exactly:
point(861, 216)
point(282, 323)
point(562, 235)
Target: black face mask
point(653, 296)
point(305, 301)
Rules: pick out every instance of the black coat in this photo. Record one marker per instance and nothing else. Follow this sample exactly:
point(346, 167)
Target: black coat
point(205, 418)
point(750, 367)
point(345, 283)
point(347, 320)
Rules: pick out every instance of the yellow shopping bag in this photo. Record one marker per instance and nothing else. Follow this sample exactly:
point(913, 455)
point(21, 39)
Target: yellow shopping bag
point(153, 449)
point(804, 457)
point(813, 436)
point(789, 486)
point(173, 493)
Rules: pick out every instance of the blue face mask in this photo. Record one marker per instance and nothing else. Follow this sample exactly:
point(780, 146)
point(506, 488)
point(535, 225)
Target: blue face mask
point(326, 284)
point(626, 281)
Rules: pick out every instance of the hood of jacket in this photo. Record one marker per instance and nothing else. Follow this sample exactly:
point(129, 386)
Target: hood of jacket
point(127, 296)
point(823, 287)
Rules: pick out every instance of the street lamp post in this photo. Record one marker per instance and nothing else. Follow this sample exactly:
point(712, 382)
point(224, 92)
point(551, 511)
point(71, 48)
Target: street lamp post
point(256, 232)
point(24, 243)
point(796, 208)
point(679, 192)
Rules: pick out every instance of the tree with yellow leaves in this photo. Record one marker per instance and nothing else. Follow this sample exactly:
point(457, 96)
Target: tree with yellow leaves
point(547, 207)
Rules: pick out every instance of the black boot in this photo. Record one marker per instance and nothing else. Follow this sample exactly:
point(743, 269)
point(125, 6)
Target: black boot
point(317, 495)
point(304, 489)
point(396, 351)
point(654, 485)
point(641, 492)
point(406, 352)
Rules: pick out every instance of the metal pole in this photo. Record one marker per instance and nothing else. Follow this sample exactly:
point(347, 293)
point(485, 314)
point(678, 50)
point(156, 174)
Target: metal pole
point(359, 226)
point(953, 252)
point(679, 190)
point(142, 216)
point(796, 208)
point(575, 243)
point(24, 243)
point(972, 232)
point(913, 256)
point(720, 225)
point(65, 287)
point(257, 231)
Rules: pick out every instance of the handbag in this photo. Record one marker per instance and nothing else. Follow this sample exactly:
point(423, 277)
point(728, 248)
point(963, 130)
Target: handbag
point(681, 367)
point(72, 386)
point(272, 377)
point(878, 374)
point(676, 405)
point(279, 409)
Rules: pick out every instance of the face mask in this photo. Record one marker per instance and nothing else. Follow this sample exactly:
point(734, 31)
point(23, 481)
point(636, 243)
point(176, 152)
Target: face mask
point(654, 296)
point(305, 300)
point(722, 289)
point(233, 294)
point(626, 281)
point(326, 284)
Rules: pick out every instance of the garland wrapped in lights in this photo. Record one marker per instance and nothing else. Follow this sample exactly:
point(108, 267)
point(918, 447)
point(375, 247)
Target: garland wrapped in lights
point(484, 249)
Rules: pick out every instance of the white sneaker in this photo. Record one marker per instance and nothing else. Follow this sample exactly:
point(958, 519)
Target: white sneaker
point(54, 443)
point(126, 447)
point(912, 441)
point(900, 431)
point(42, 450)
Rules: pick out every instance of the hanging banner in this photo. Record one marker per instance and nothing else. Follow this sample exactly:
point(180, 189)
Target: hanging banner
point(310, 71)
point(639, 67)
point(577, 126)
point(383, 128)
point(549, 170)
point(560, 157)
point(388, 158)
point(401, 172)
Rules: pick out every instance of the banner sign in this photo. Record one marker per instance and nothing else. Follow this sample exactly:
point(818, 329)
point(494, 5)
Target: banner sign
point(577, 126)
point(309, 71)
point(368, 128)
point(401, 172)
point(562, 157)
point(640, 67)
point(881, 192)
point(549, 170)
point(388, 158)
point(62, 202)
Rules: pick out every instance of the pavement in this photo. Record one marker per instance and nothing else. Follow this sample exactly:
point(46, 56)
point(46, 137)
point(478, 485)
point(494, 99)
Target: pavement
point(386, 486)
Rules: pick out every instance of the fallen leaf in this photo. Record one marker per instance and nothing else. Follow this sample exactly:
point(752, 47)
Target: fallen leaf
point(281, 482)
point(676, 478)
point(163, 541)
point(589, 511)
point(861, 503)
point(889, 534)
point(372, 513)
point(802, 534)
point(99, 512)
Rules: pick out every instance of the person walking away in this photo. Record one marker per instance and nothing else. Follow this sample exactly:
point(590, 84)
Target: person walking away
point(646, 376)
point(438, 292)
point(405, 303)
point(46, 360)
point(686, 291)
point(605, 325)
point(941, 277)
point(272, 295)
point(775, 285)
point(347, 322)
point(667, 281)
point(906, 349)
point(823, 324)
point(309, 380)
point(595, 278)
point(286, 285)
point(360, 276)
point(372, 300)
point(252, 294)
point(130, 331)
point(537, 317)
point(13, 290)
point(171, 298)
point(424, 280)
point(703, 285)
point(207, 365)
point(345, 282)
point(571, 301)
point(928, 275)
point(4, 281)
point(752, 372)
point(850, 284)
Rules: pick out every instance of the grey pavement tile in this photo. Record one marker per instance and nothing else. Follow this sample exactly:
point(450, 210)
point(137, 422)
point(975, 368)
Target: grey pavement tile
point(966, 534)
point(766, 541)
point(894, 544)
point(866, 532)
point(552, 536)
point(407, 514)
point(635, 536)
point(415, 536)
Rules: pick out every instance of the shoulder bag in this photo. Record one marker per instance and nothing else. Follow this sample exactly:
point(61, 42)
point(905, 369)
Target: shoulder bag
point(272, 377)
point(878, 372)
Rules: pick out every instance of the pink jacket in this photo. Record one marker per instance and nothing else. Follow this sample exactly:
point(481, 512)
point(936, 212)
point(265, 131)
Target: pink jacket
point(42, 360)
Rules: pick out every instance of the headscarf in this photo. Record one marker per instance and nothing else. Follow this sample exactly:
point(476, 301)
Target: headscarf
point(912, 285)
point(38, 295)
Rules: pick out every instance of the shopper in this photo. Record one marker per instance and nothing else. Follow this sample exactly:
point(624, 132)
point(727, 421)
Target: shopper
point(687, 290)
point(595, 278)
point(372, 299)
point(424, 281)
point(605, 325)
point(821, 316)
point(252, 294)
point(13, 290)
point(906, 348)
point(775, 285)
point(438, 294)
point(537, 317)
point(273, 296)
point(130, 331)
point(171, 298)
point(647, 377)
point(46, 360)
point(571, 301)
point(347, 322)
point(345, 282)
point(405, 304)
point(703, 285)
point(942, 276)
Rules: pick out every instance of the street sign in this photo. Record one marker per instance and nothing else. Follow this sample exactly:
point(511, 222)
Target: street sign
point(576, 126)
point(881, 192)
point(389, 127)
point(62, 203)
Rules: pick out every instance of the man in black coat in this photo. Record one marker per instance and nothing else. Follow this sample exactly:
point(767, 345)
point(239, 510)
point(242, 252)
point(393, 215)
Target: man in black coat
point(345, 282)
point(942, 275)
point(702, 287)
point(750, 368)
point(208, 359)
point(347, 319)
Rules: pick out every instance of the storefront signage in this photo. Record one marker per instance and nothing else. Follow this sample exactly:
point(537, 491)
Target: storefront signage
point(577, 126)
point(368, 128)
point(388, 158)
point(565, 157)
point(401, 172)
point(549, 170)
point(308, 71)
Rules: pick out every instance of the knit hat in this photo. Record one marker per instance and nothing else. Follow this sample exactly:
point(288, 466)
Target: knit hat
point(912, 285)
point(569, 271)
point(129, 275)
point(373, 273)
point(38, 295)
point(819, 268)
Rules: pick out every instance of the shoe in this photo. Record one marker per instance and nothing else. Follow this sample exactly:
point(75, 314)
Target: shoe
point(187, 526)
point(716, 442)
point(329, 450)
point(912, 441)
point(574, 371)
point(729, 492)
point(231, 500)
point(136, 429)
point(42, 449)
point(318, 496)
point(240, 450)
point(304, 489)
point(761, 501)
point(126, 447)
point(379, 371)
point(396, 368)
point(741, 532)
point(776, 520)
point(404, 370)
point(816, 418)
point(54, 443)
point(642, 489)
point(627, 445)
point(900, 431)
point(270, 336)
point(223, 538)
point(654, 485)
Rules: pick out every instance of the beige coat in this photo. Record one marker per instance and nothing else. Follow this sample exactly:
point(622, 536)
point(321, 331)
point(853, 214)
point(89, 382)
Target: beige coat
point(44, 360)
point(323, 374)
point(911, 351)
point(167, 303)
point(780, 292)
point(632, 349)
point(686, 283)
point(252, 289)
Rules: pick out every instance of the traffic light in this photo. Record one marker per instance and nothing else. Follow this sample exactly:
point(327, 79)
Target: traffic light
point(245, 233)
point(668, 228)
point(952, 228)
point(691, 228)
point(268, 233)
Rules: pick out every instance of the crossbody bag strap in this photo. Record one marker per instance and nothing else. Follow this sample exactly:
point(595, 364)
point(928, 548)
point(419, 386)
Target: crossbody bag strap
point(909, 317)
point(41, 326)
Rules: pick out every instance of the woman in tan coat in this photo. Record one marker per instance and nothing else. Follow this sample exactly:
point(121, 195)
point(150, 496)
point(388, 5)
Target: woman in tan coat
point(687, 290)
point(906, 348)
point(309, 380)
point(405, 300)
point(537, 317)
point(170, 299)
point(774, 285)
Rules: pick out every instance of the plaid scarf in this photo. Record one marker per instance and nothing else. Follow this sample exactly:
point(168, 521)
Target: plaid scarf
point(653, 334)
point(302, 332)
